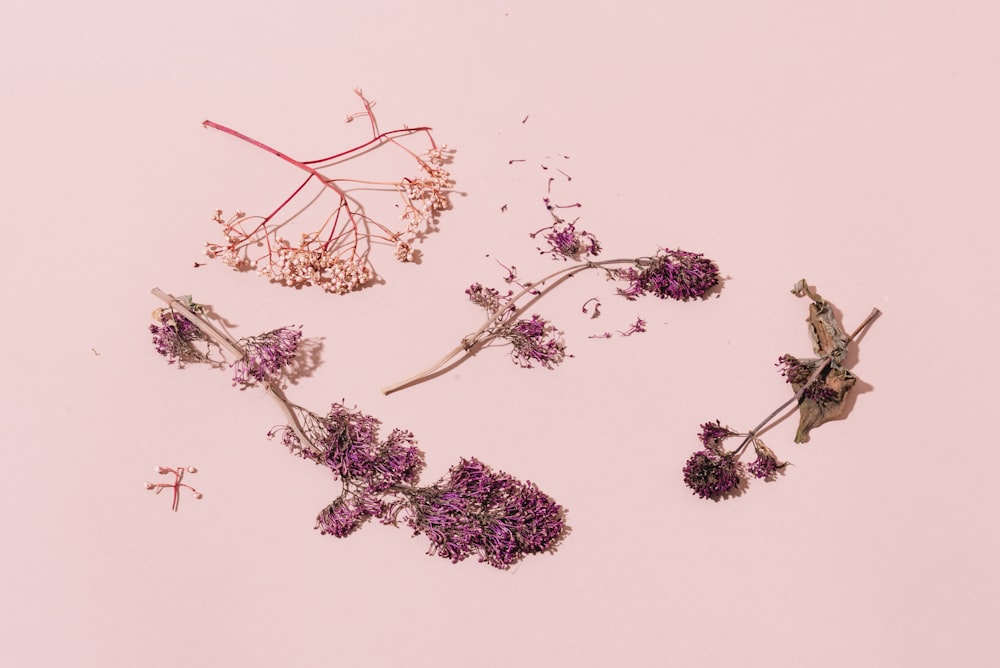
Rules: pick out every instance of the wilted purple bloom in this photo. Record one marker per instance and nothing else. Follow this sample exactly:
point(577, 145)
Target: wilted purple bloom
point(265, 355)
point(488, 298)
point(713, 433)
point(797, 372)
point(477, 510)
point(175, 336)
point(340, 518)
point(675, 274)
point(347, 442)
point(535, 341)
point(765, 466)
point(566, 243)
point(712, 475)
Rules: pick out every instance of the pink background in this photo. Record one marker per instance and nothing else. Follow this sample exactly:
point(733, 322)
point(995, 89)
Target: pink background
point(853, 143)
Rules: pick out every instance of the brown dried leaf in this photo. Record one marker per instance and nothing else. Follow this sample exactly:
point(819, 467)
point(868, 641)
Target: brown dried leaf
point(827, 334)
point(826, 396)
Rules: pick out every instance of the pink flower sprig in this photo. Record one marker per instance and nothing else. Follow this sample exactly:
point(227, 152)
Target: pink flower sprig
point(473, 511)
point(176, 485)
point(669, 274)
point(821, 386)
point(336, 255)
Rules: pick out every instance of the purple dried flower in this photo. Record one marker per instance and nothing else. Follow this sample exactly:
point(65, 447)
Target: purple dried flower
point(535, 341)
point(566, 243)
point(712, 475)
point(488, 298)
point(476, 510)
point(713, 433)
point(675, 274)
point(766, 465)
point(175, 336)
point(265, 355)
point(797, 372)
point(340, 518)
point(347, 442)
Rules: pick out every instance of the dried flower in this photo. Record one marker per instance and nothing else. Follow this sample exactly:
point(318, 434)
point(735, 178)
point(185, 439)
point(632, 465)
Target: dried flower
point(670, 273)
point(712, 475)
point(175, 338)
point(266, 354)
point(565, 243)
point(477, 510)
point(474, 510)
point(676, 274)
point(821, 386)
point(336, 255)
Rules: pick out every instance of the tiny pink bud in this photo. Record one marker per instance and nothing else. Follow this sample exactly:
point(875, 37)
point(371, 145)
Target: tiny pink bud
point(192, 469)
point(149, 485)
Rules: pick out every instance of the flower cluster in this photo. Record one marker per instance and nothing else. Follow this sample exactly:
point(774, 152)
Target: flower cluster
point(533, 340)
point(336, 255)
point(715, 473)
point(347, 442)
point(799, 373)
point(479, 511)
point(266, 355)
point(175, 338)
point(475, 510)
point(565, 243)
point(676, 274)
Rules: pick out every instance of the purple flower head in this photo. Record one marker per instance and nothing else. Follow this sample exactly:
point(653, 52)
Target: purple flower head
point(712, 475)
point(489, 299)
point(535, 341)
point(340, 518)
point(675, 274)
point(265, 355)
point(713, 433)
point(477, 510)
point(174, 338)
point(766, 465)
point(797, 372)
point(566, 243)
point(347, 442)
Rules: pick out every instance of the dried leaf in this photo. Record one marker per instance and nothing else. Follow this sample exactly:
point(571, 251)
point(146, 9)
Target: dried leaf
point(825, 397)
point(827, 334)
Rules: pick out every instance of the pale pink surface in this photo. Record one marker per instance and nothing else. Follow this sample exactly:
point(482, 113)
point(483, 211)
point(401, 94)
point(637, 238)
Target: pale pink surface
point(854, 144)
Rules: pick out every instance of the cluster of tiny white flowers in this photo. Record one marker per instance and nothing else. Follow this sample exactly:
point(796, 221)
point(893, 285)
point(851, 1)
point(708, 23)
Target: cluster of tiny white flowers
point(427, 194)
point(404, 252)
point(301, 266)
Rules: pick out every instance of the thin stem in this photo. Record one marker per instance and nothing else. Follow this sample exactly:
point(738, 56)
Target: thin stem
point(328, 182)
point(507, 311)
point(812, 378)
